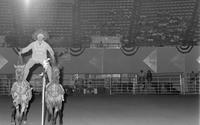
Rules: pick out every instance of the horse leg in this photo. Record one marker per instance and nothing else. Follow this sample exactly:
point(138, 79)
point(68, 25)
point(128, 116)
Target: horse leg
point(56, 110)
point(50, 114)
point(13, 109)
point(60, 114)
point(17, 116)
point(21, 113)
point(47, 114)
point(24, 116)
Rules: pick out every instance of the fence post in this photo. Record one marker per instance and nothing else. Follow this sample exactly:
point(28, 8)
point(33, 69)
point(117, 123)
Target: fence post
point(181, 84)
point(198, 83)
point(158, 85)
point(110, 85)
point(134, 84)
point(195, 86)
point(9, 86)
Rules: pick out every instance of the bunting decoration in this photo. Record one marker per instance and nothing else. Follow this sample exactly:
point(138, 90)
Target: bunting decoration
point(129, 51)
point(184, 48)
point(77, 51)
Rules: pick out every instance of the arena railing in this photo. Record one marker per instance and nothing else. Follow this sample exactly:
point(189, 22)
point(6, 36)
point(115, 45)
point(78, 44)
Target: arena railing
point(191, 86)
point(6, 81)
point(114, 84)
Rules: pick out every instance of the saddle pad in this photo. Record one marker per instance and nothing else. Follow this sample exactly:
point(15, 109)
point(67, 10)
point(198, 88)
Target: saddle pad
point(21, 88)
point(54, 90)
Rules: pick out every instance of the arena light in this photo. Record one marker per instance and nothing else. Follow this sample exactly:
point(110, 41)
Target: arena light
point(27, 2)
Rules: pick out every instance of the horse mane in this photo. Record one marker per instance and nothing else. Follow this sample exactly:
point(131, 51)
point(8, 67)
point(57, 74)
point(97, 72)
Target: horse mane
point(19, 71)
point(55, 74)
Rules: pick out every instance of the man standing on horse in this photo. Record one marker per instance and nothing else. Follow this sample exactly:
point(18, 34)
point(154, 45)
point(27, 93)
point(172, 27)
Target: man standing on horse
point(39, 53)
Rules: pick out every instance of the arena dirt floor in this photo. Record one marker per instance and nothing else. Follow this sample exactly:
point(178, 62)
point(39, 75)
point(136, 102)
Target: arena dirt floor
point(117, 110)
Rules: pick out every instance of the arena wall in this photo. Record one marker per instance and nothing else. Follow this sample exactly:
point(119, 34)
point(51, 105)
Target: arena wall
point(169, 59)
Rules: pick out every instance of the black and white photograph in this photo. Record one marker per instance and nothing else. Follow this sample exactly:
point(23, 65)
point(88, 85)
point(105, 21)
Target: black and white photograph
point(99, 62)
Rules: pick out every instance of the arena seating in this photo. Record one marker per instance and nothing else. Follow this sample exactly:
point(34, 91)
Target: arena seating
point(6, 17)
point(105, 17)
point(84, 18)
point(197, 33)
point(53, 16)
point(163, 22)
point(110, 19)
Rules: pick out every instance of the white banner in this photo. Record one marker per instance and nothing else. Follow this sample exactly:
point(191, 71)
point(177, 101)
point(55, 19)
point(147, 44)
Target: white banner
point(2, 39)
point(3, 61)
point(151, 60)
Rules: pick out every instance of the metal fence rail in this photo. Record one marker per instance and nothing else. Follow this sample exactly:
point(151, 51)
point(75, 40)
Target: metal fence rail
point(6, 84)
point(191, 86)
point(112, 84)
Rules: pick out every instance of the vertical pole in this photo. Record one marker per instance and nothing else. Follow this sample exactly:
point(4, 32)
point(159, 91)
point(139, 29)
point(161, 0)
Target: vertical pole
point(172, 85)
point(133, 80)
point(110, 85)
point(198, 84)
point(43, 92)
point(159, 86)
point(195, 84)
point(181, 84)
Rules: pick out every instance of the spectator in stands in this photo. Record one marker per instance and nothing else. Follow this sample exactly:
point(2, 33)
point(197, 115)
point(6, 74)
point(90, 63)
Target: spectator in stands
point(192, 81)
point(101, 44)
point(149, 78)
point(141, 79)
point(39, 53)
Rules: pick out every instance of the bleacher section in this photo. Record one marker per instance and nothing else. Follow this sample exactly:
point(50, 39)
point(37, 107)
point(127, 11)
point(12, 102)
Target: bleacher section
point(197, 33)
point(149, 22)
point(6, 17)
point(53, 16)
point(105, 17)
point(164, 22)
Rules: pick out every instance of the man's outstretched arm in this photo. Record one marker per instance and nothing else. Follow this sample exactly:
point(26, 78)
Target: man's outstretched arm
point(26, 49)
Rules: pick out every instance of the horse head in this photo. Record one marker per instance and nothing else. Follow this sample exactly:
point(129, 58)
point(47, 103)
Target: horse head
point(55, 74)
point(19, 72)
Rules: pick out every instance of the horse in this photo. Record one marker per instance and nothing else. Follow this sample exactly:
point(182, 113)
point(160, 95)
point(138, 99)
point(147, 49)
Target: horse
point(54, 97)
point(21, 93)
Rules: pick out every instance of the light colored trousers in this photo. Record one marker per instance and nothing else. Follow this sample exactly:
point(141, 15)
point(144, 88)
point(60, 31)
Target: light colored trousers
point(31, 63)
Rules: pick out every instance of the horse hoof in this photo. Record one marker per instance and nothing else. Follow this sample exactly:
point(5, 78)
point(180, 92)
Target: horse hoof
point(12, 123)
point(61, 123)
point(24, 122)
point(49, 118)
